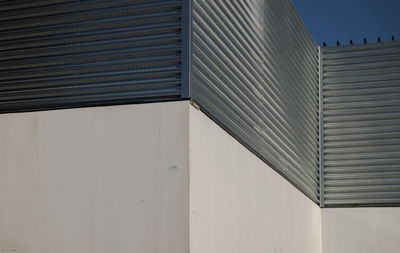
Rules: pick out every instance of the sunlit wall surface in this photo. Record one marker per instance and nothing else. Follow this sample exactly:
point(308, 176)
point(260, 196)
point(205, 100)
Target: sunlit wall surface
point(255, 71)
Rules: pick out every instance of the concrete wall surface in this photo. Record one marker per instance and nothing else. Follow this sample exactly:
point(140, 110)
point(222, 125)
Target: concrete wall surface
point(105, 179)
point(160, 177)
point(361, 230)
point(239, 204)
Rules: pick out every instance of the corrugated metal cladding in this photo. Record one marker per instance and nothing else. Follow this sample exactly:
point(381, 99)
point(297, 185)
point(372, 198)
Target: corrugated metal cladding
point(75, 53)
point(250, 64)
point(255, 71)
point(362, 124)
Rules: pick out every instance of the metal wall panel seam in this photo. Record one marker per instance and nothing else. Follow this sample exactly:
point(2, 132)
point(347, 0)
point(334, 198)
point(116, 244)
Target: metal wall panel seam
point(321, 128)
point(187, 34)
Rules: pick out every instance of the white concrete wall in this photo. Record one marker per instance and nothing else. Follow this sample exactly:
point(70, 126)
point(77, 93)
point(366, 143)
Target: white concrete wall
point(106, 179)
point(239, 204)
point(116, 179)
point(361, 230)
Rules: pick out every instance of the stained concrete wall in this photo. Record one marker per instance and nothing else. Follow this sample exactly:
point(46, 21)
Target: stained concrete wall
point(106, 179)
point(361, 230)
point(239, 204)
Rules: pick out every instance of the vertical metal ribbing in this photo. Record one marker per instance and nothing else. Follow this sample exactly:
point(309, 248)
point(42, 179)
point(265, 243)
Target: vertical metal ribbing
point(321, 128)
point(186, 47)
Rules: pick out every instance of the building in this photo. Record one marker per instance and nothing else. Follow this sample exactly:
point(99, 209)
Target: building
point(193, 126)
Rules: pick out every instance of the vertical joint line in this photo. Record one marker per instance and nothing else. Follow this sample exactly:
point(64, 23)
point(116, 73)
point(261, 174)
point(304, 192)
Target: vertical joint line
point(186, 46)
point(321, 128)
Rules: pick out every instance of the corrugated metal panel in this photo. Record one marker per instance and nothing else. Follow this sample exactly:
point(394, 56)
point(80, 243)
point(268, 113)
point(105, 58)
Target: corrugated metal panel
point(255, 71)
point(362, 124)
point(75, 53)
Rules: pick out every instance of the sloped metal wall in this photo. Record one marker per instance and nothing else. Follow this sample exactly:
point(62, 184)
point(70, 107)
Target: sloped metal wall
point(56, 54)
point(255, 70)
point(361, 106)
point(251, 65)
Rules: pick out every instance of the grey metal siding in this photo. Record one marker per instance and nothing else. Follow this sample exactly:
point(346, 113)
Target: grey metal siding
point(75, 53)
point(255, 70)
point(362, 124)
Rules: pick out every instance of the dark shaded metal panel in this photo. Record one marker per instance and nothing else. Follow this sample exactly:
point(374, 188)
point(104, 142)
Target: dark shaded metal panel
point(362, 124)
point(186, 48)
point(321, 129)
point(255, 70)
point(57, 54)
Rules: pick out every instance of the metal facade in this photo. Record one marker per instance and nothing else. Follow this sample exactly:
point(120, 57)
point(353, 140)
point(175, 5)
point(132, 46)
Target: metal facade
point(57, 54)
point(362, 124)
point(255, 71)
point(327, 120)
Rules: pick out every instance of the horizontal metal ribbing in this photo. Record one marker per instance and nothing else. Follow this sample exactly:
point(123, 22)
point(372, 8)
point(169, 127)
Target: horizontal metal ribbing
point(56, 54)
point(362, 124)
point(254, 66)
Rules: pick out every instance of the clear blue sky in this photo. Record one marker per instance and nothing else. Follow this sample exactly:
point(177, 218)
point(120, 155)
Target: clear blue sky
point(332, 20)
